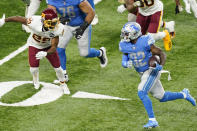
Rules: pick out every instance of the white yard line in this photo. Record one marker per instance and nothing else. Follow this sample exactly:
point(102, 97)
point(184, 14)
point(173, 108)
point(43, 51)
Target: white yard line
point(13, 54)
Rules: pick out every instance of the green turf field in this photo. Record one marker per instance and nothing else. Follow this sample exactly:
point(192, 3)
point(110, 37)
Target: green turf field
point(74, 114)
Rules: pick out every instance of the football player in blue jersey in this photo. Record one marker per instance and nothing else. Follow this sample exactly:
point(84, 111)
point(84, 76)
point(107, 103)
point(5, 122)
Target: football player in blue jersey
point(137, 49)
point(76, 15)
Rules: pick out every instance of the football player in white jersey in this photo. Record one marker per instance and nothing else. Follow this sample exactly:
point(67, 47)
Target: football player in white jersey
point(43, 40)
point(149, 17)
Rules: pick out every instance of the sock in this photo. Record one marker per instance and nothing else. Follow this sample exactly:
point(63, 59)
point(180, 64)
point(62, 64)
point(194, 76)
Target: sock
point(158, 35)
point(194, 7)
point(147, 103)
point(59, 74)
point(35, 73)
point(62, 56)
point(33, 8)
point(93, 53)
point(170, 96)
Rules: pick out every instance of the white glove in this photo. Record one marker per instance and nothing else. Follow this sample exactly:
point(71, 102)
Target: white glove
point(129, 64)
point(41, 55)
point(2, 20)
point(137, 4)
point(121, 9)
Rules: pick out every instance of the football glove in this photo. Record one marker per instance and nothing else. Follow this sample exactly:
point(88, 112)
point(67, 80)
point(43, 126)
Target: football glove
point(41, 55)
point(79, 31)
point(2, 20)
point(129, 64)
point(138, 3)
point(121, 9)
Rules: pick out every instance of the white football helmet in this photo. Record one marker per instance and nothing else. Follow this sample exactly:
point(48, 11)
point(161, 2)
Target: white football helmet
point(130, 31)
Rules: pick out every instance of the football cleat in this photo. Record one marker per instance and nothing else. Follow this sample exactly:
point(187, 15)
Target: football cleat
point(170, 27)
point(64, 87)
point(66, 79)
point(36, 85)
point(151, 124)
point(103, 58)
point(189, 97)
point(167, 41)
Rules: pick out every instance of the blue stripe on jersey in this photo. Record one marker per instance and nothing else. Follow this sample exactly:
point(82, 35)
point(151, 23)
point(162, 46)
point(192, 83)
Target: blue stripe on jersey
point(153, 75)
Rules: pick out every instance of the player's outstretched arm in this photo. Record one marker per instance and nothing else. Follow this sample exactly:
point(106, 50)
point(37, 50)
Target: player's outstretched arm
point(157, 51)
point(19, 19)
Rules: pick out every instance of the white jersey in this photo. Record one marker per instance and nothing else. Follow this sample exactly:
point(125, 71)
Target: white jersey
point(42, 39)
point(151, 7)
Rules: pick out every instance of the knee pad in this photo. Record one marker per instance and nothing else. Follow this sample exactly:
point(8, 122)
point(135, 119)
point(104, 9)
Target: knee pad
point(158, 96)
point(84, 53)
point(34, 70)
point(141, 95)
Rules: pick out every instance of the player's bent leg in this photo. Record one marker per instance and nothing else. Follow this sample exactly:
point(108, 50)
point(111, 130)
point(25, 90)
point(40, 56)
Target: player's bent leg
point(62, 56)
point(194, 7)
point(149, 109)
point(60, 76)
point(187, 6)
point(158, 36)
point(35, 73)
point(170, 96)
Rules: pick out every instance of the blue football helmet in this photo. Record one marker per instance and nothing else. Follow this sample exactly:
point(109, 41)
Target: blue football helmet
point(130, 31)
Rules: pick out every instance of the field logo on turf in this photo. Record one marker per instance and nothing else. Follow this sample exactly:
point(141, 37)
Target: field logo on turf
point(48, 93)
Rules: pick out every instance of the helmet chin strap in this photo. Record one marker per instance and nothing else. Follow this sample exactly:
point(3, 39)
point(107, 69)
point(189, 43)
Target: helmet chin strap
point(45, 28)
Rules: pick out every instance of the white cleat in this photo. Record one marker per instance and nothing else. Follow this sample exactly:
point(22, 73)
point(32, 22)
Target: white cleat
point(65, 89)
point(187, 6)
point(66, 79)
point(36, 86)
point(95, 20)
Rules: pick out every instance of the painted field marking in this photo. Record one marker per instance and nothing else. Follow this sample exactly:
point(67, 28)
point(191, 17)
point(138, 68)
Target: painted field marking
point(48, 93)
point(81, 94)
point(13, 54)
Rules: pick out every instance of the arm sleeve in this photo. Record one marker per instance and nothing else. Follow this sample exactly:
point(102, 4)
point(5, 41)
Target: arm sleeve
point(125, 59)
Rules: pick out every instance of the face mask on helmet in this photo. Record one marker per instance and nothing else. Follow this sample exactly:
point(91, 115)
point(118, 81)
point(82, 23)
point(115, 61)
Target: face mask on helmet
point(49, 19)
point(130, 31)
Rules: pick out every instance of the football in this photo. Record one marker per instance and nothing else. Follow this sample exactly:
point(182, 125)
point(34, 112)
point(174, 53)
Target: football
point(153, 60)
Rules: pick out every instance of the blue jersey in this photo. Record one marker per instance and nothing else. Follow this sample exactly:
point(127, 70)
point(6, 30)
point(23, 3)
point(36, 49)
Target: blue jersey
point(69, 9)
point(139, 53)
point(91, 3)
